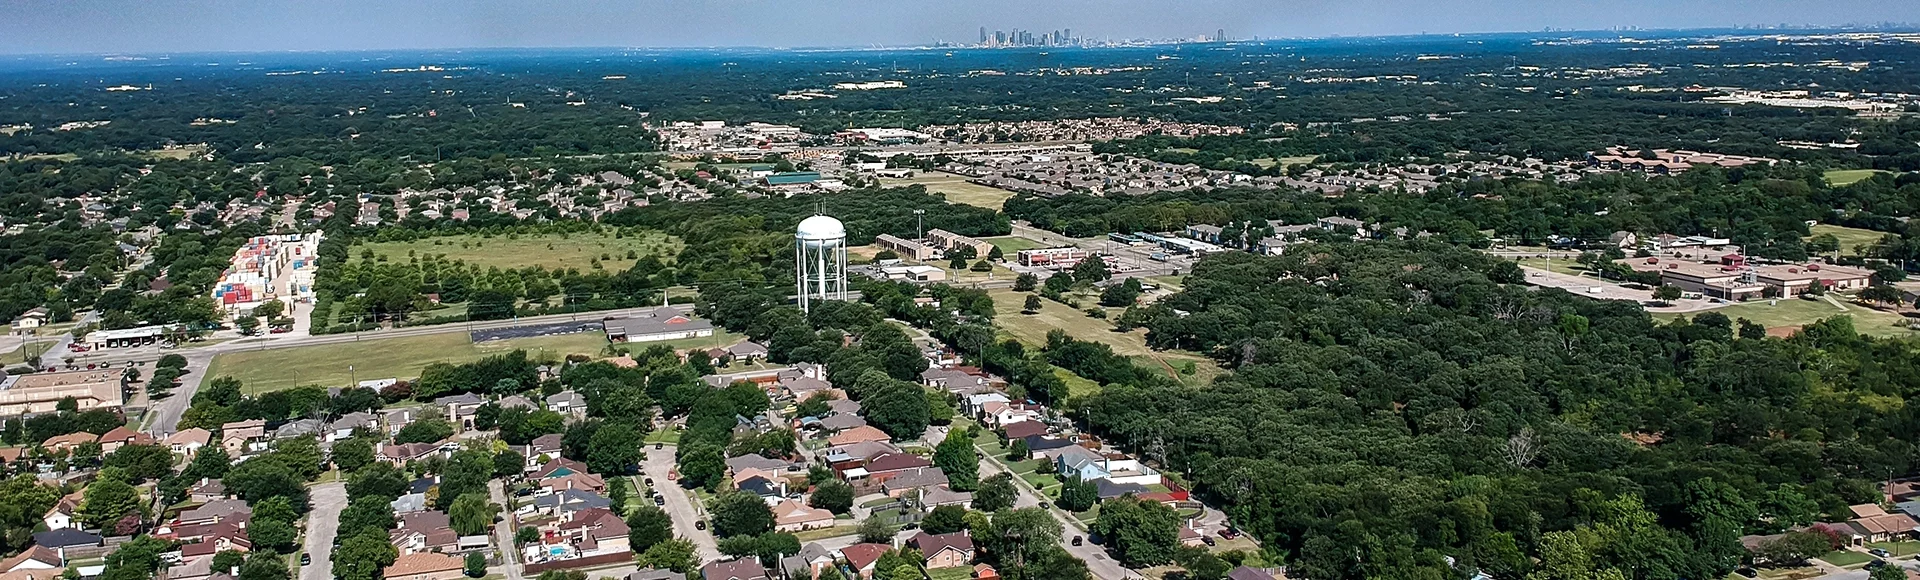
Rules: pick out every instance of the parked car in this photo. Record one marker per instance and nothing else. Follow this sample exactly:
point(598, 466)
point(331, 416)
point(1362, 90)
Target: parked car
point(1228, 533)
point(1881, 553)
point(1209, 540)
point(659, 446)
point(700, 525)
point(306, 558)
point(649, 482)
point(1748, 572)
point(1077, 540)
point(659, 500)
point(1876, 564)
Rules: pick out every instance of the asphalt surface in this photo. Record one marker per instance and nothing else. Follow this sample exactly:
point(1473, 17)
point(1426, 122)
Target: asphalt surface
point(679, 504)
point(1098, 562)
point(322, 523)
point(503, 533)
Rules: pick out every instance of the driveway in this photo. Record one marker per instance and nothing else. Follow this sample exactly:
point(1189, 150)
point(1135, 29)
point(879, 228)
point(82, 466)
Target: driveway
point(322, 523)
point(679, 504)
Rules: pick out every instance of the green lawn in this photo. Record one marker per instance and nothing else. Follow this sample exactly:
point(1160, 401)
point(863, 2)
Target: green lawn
point(25, 350)
point(1010, 245)
point(403, 357)
point(823, 533)
point(1851, 239)
point(1798, 312)
point(1844, 177)
point(552, 251)
point(954, 573)
point(1898, 548)
point(1845, 558)
point(956, 188)
point(1557, 266)
point(670, 437)
point(1077, 386)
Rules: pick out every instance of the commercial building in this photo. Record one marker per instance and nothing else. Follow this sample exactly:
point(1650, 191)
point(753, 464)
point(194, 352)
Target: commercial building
point(1065, 257)
point(42, 392)
point(914, 273)
point(949, 241)
point(1732, 278)
point(266, 267)
point(664, 323)
point(908, 249)
point(126, 337)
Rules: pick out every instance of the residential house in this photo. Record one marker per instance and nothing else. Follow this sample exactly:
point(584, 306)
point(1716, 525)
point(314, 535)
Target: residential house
point(240, 437)
point(953, 380)
point(573, 481)
point(69, 441)
point(516, 402)
point(192, 568)
point(423, 531)
point(567, 403)
point(850, 456)
point(61, 515)
point(973, 403)
point(760, 482)
point(1872, 523)
point(64, 540)
point(343, 427)
point(861, 557)
point(861, 434)
point(541, 450)
point(122, 436)
point(1023, 429)
point(913, 480)
point(1252, 573)
point(559, 466)
point(1092, 465)
point(985, 572)
point(569, 501)
point(995, 414)
point(460, 408)
point(792, 516)
point(944, 495)
point(952, 550)
point(426, 566)
point(35, 558)
point(812, 560)
point(207, 491)
point(298, 428)
point(1106, 489)
point(655, 574)
point(741, 569)
point(188, 442)
point(1043, 447)
point(595, 532)
point(397, 419)
point(401, 453)
point(742, 352)
point(757, 461)
point(35, 317)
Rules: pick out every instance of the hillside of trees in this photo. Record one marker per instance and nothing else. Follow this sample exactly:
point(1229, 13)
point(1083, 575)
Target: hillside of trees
point(1394, 403)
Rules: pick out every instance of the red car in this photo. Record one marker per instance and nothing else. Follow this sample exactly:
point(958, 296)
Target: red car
point(1228, 533)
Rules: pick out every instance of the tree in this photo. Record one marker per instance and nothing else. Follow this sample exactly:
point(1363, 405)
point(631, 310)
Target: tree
point(379, 479)
point(738, 513)
point(428, 429)
point(703, 465)
point(1014, 533)
point(107, 500)
point(1883, 295)
point(957, 457)
point(676, 554)
point(1666, 292)
point(363, 556)
point(264, 566)
point(899, 408)
point(996, 493)
point(271, 534)
point(228, 559)
point(615, 448)
point(1090, 270)
point(1139, 533)
point(508, 462)
point(366, 513)
point(1032, 304)
point(832, 495)
point(1025, 282)
point(874, 530)
point(1888, 572)
point(646, 526)
point(476, 565)
point(945, 519)
point(1077, 495)
point(353, 454)
point(1122, 294)
point(472, 514)
point(526, 535)
point(1017, 450)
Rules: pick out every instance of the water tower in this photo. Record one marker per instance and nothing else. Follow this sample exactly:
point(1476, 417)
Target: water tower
point(820, 260)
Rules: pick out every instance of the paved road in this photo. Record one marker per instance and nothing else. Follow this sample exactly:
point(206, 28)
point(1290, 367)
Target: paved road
point(503, 533)
point(679, 504)
point(1098, 562)
point(322, 523)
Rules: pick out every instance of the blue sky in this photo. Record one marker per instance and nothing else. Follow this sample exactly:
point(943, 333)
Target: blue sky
point(110, 26)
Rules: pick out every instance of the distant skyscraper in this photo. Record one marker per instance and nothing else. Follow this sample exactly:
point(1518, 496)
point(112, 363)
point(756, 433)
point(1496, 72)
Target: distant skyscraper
point(983, 35)
point(1220, 35)
point(1069, 33)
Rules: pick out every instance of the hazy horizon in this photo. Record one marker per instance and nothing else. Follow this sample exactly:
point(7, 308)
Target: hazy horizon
point(128, 26)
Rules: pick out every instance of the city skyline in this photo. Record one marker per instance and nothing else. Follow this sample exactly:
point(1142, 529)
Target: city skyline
point(125, 26)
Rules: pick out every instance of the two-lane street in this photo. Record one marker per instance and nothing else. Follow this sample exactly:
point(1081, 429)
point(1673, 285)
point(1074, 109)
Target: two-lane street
point(679, 504)
point(322, 523)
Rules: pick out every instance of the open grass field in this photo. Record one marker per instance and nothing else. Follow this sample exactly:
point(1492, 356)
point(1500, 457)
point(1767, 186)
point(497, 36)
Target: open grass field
point(1851, 239)
point(1010, 244)
point(1032, 329)
point(177, 153)
point(1265, 162)
point(1798, 312)
point(956, 188)
point(1844, 177)
point(551, 251)
point(378, 358)
point(1557, 266)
